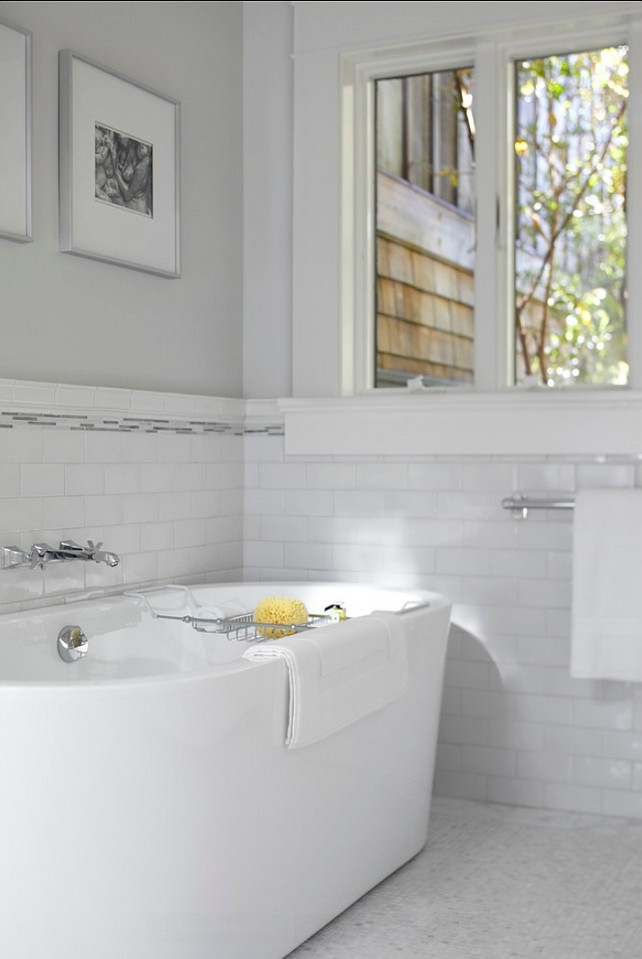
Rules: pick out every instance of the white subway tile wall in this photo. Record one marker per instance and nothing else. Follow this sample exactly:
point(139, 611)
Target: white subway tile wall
point(213, 505)
point(515, 728)
point(169, 504)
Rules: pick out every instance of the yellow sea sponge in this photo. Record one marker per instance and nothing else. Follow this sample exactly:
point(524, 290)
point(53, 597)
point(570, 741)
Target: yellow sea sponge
point(280, 610)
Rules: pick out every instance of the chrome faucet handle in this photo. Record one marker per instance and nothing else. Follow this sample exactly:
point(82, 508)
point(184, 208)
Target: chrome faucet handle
point(69, 544)
point(12, 556)
point(39, 555)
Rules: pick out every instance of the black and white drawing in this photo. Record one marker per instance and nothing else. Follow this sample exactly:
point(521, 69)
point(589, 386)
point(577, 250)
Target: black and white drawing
point(15, 138)
point(124, 168)
point(134, 169)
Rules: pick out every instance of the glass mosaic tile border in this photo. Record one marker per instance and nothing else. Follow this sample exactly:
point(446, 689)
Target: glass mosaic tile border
point(99, 409)
point(133, 424)
point(126, 424)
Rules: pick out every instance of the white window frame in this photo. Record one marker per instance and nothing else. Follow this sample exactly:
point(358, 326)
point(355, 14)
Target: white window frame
point(492, 58)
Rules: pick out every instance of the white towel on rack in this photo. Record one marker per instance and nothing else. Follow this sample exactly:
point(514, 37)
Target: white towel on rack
point(606, 630)
point(338, 673)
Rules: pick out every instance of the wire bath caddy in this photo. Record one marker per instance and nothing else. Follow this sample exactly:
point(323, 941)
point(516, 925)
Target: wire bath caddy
point(239, 626)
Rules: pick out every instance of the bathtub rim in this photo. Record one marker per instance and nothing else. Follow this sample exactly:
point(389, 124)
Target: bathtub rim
point(178, 678)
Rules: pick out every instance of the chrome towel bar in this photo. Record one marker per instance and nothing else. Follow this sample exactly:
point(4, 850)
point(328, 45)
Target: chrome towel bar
point(522, 504)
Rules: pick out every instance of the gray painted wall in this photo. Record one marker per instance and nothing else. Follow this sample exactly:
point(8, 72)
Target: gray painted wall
point(267, 192)
point(68, 319)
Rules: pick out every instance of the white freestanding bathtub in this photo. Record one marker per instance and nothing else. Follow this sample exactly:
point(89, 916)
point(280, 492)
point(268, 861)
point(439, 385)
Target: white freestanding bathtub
point(149, 806)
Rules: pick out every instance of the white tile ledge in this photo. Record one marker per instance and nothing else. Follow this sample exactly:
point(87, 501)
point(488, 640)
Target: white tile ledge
point(68, 405)
point(516, 422)
point(403, 423)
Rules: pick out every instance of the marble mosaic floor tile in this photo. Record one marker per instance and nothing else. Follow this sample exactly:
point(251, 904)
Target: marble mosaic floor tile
point(500, 882)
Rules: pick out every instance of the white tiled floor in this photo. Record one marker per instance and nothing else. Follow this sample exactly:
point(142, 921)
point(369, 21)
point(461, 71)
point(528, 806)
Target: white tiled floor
point(500, 882)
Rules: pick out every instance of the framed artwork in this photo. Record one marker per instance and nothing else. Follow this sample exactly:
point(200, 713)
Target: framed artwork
point(15, 142)
point(119, 169)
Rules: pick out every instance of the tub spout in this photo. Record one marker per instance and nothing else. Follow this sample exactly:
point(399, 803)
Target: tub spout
point(91, 552)
point(106, 557)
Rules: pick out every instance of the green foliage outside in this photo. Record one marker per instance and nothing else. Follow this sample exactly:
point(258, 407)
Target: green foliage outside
point(570, 265)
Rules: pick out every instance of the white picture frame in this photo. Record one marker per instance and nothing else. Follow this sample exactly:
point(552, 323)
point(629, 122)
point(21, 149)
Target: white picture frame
point(119, 169)
point(15, 142)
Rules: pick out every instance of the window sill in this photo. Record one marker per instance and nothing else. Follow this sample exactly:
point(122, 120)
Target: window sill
point(432, 423)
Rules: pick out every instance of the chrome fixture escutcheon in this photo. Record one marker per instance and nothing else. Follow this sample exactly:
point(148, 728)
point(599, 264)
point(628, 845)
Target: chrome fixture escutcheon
point(72, 644)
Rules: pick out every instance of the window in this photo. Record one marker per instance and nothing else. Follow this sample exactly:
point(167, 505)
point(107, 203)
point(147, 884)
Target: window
point(570, 217)
point(425, 227)
point(491, 221)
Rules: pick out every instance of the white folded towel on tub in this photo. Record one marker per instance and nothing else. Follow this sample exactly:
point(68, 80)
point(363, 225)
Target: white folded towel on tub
point(606, 620)
point(338, 673)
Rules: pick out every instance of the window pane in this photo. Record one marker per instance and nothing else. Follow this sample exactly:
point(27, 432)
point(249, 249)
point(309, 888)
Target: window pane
point(425, 228)
point(570, 218)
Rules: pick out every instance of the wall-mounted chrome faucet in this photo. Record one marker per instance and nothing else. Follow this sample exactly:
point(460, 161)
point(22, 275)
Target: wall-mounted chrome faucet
point(41, 554)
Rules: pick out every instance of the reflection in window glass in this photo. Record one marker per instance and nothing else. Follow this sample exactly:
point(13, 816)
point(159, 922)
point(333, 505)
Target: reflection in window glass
point(425, 200)
point(570, 218)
